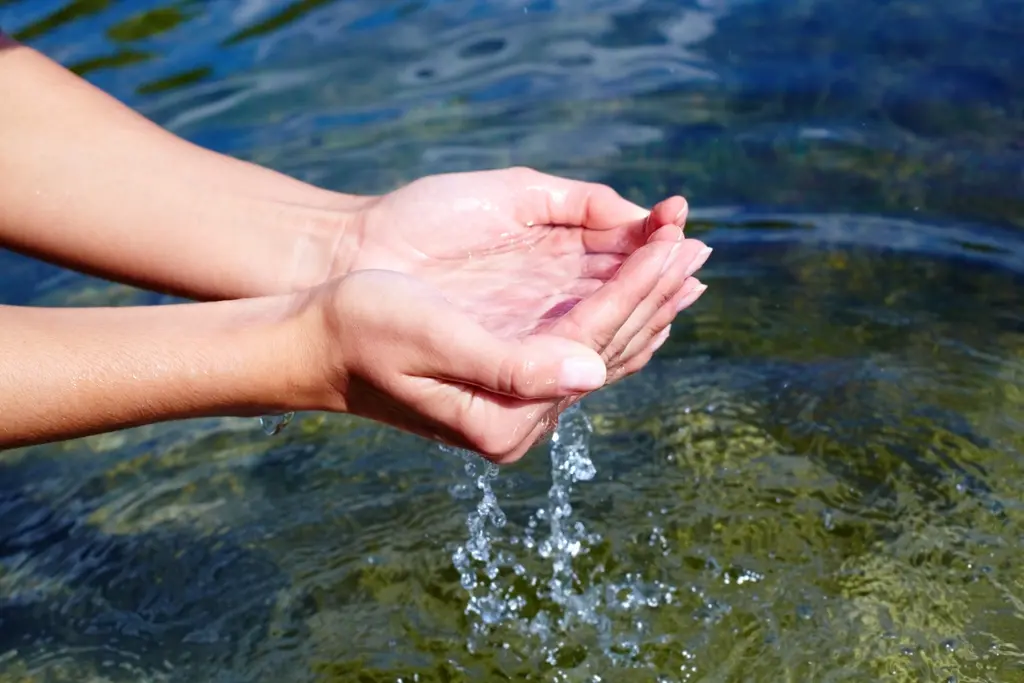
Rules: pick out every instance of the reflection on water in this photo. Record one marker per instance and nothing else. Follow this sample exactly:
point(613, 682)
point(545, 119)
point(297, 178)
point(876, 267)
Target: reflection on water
point(817, 479)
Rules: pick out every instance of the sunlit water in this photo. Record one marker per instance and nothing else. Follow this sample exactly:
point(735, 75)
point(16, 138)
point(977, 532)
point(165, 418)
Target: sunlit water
point(817, 479)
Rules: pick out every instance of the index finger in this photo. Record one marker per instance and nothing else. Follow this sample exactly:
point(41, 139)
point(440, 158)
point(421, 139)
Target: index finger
point(611, 223)
point(630, 236)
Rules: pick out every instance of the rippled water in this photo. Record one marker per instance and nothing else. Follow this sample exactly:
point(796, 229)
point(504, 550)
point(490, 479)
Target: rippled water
point(819, 477)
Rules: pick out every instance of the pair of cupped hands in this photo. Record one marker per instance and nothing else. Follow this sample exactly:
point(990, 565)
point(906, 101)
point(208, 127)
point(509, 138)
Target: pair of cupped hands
point(473, 308)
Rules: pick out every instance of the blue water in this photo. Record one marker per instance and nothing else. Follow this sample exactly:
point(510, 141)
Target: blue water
point(838, 422)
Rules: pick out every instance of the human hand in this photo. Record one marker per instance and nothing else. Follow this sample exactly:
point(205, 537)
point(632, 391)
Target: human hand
point(394, 349)
point(517, 249)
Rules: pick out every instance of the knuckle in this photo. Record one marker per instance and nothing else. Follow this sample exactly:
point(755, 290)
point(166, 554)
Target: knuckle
point(636, 364)
point(515, 377)
point(594, 196)
point(662, 318)
point(670, 286)
point(663, 296)
point(465, 419)
point(571, 328)
point(602, 191)
point(523, 172)
point(630, 352)
point(617, 373)
point(611, 319)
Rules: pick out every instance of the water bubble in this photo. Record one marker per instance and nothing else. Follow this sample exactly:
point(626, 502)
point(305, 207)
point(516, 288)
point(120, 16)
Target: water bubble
point(828, 520)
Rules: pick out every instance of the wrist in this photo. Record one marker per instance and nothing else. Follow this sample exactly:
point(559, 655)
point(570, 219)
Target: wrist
point(272, 355)
point(312, 243)
point(268, 355)
point(313, 375)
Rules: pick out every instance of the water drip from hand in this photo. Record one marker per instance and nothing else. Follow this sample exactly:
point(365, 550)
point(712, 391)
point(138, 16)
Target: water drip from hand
point(500, 585)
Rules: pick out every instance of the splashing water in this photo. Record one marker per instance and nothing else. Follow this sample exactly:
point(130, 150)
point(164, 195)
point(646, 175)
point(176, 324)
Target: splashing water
point(490, 606)
point(500, 586)
point(570, 463)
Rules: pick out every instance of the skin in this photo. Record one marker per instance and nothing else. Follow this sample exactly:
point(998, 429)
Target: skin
point(467, 308)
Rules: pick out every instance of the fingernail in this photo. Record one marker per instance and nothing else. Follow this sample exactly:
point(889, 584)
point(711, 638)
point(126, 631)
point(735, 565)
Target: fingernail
point(660, 340)
point(691, 297)
point(671, 257)
point(699, 260)
point(681, 216)
point(582, 374)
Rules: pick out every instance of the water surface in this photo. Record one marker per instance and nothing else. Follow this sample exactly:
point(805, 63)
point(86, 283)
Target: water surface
point(819, 477)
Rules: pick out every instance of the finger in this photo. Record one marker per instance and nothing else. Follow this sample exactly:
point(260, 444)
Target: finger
point(595, 320)
point(687, 298)
point(544, 427)
point(497, 427)
point(441, 342)
point(640, 360)
point(666, 233)
point(603, 266)
point(596, 206)
point(660, 338)
point(674, 209)
point(637, 361)
point(645, 346)
point(628, 236)
point(553, 200)
point(538, 366)
point(409, 417)
point(688, 257)
point(690, 291)
point(444, 376)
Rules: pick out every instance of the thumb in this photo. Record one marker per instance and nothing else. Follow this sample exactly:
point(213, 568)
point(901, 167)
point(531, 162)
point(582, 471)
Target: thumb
point(540, 366)
point(450, 345)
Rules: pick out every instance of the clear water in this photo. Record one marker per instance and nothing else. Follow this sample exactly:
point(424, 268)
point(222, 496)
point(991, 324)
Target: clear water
point(818, 478)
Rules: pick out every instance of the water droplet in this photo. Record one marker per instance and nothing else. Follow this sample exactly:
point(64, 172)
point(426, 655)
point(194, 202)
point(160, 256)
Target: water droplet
point(828, 520)
point(273, 424)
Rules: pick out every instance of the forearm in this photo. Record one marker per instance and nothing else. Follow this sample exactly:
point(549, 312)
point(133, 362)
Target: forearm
point(88, 183)
point(67, 373)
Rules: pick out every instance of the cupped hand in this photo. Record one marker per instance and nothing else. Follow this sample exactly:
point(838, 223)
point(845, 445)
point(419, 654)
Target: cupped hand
point(396, 349)
point(516, 250)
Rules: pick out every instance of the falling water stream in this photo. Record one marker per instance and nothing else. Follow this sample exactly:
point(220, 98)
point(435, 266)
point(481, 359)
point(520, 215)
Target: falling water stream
point(501, 587)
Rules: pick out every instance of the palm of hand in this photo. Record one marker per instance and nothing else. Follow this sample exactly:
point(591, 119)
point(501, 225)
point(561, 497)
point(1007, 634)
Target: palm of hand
point(495, 244)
